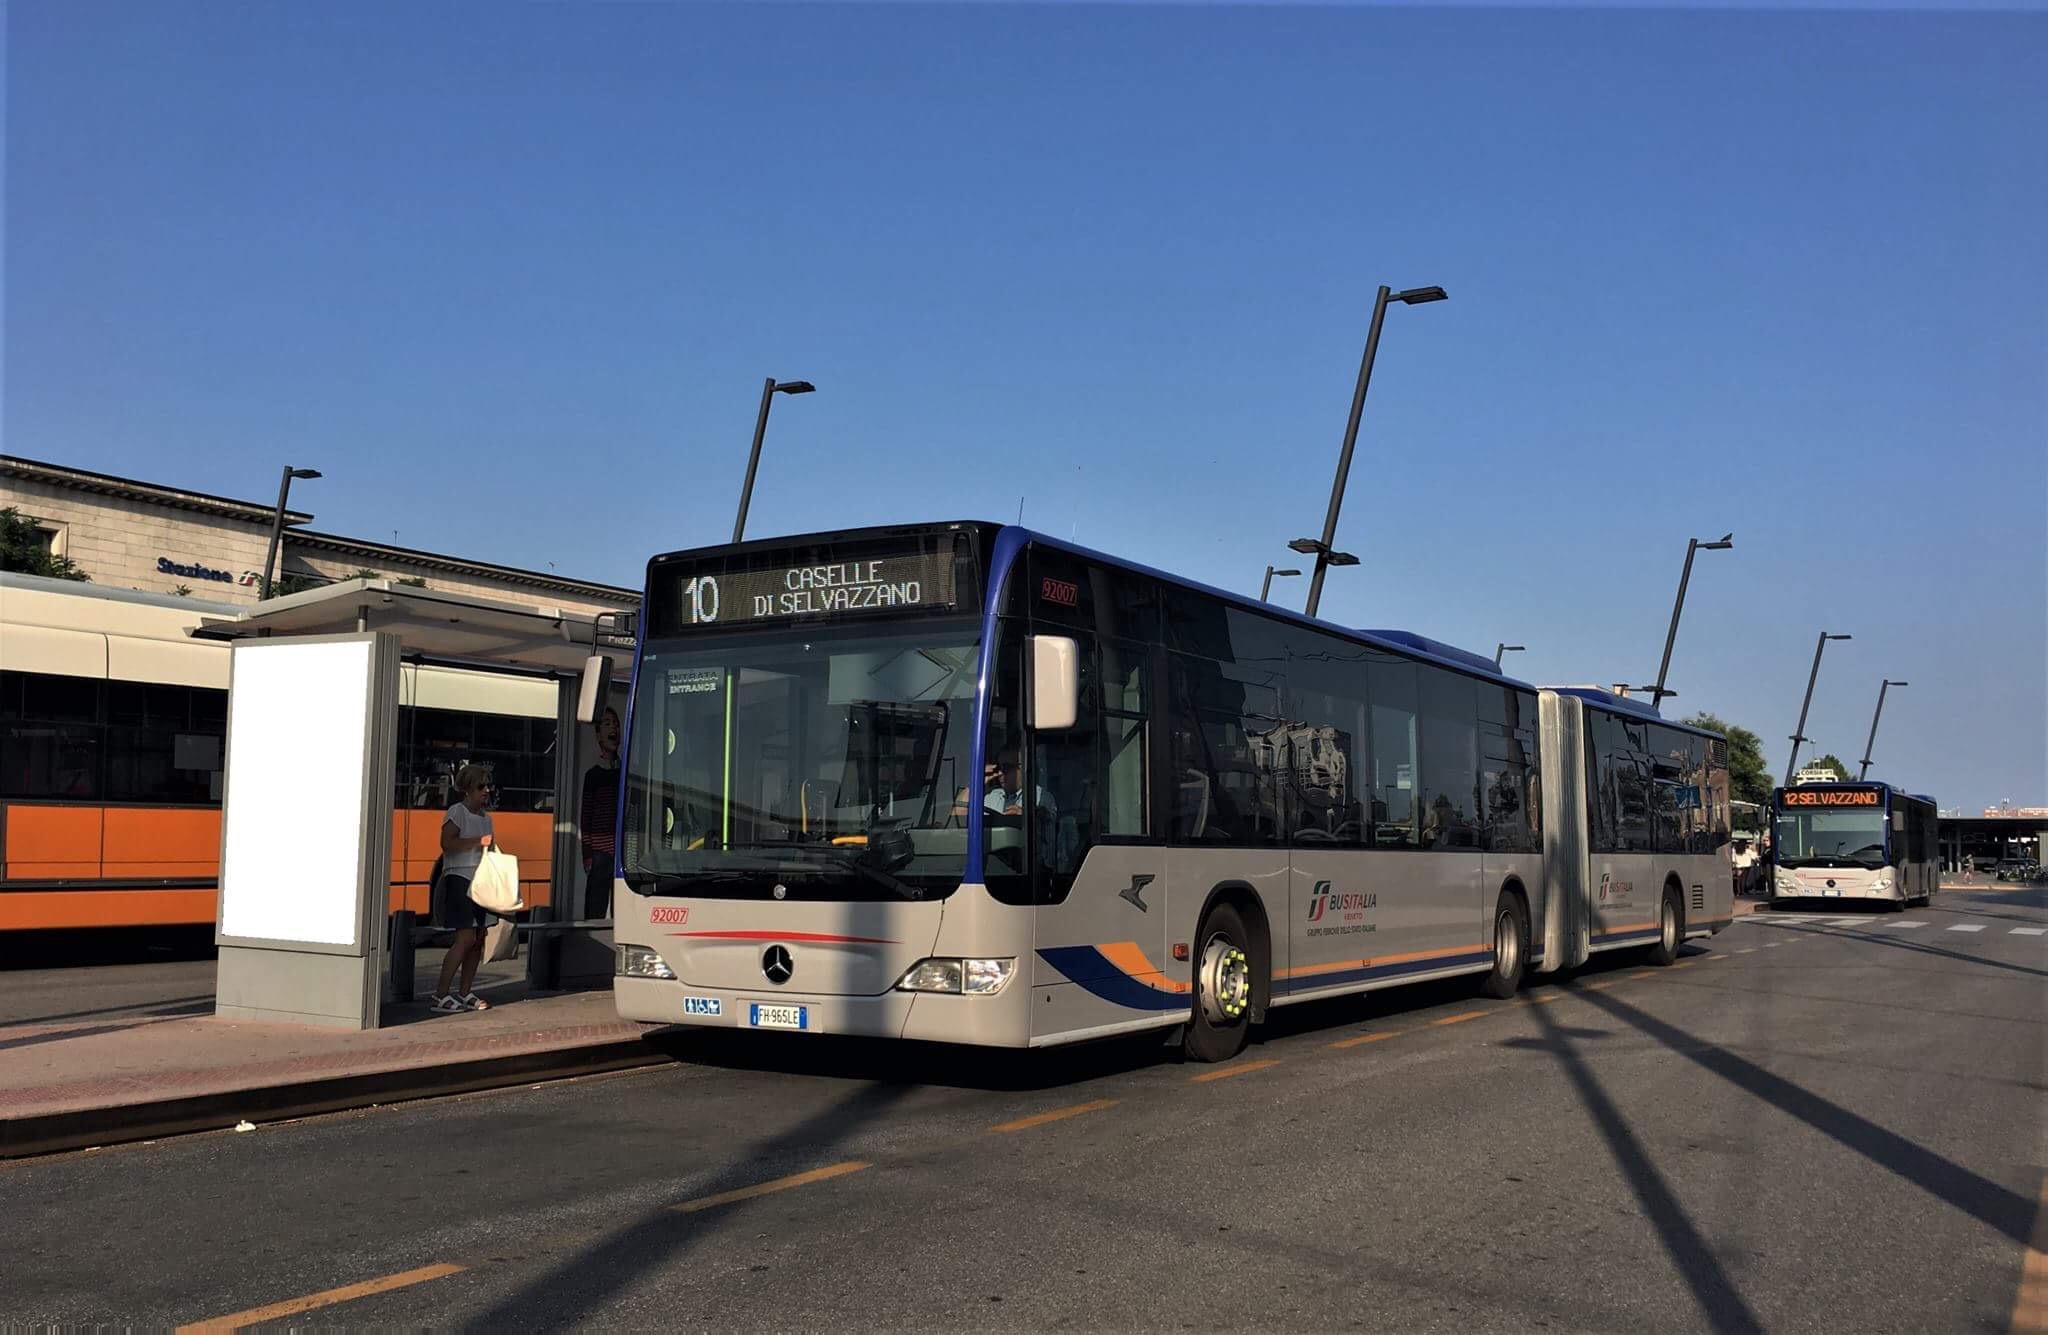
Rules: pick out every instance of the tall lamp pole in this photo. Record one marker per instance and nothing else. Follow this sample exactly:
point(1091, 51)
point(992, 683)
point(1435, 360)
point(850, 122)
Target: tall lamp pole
point(1799, 733)
point(1325, 551)
point(1864, 768)
point(1692, 545)
point(768, 393)
point(284, 490)
point(1499, 650)
point(1267, 587)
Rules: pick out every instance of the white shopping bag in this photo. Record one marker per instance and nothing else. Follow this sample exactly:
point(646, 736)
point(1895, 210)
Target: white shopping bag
point(495, 886)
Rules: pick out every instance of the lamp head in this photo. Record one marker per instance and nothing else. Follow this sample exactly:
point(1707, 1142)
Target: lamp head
point(1416, 296)
point(1721, 544)
point(794, 387)
point(1297, 572)
point(305, 472)
point(1306, 546)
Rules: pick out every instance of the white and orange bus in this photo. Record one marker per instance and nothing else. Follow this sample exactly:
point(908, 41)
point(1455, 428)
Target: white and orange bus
point(111, 722)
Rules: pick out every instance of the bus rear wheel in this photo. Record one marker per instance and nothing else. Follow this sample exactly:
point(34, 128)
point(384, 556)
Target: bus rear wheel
point(1221, 1019)
point(1510, 948)
point(1670, 930)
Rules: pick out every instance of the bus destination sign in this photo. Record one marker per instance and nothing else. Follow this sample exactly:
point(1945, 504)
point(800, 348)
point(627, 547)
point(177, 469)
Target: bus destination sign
point(1830, 797)
point(889, 582)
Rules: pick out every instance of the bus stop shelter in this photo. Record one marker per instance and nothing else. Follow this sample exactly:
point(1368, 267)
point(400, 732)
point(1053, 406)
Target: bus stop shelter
point(311, 773)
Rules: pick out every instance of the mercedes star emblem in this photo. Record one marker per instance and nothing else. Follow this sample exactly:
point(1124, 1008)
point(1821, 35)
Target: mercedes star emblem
point(776, 965)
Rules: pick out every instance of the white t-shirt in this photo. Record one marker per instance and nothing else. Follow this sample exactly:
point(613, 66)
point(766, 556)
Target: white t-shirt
point(468, 825)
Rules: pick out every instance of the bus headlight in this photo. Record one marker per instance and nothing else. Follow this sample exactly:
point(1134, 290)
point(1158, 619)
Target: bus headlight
point(640, 962)
point(1883, 881)
point(975, 977)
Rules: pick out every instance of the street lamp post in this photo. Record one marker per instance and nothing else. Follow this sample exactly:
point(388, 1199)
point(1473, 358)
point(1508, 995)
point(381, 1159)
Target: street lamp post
point(1325, 550)
point(768, 393)
point(1267, 587)
point(284, 490)
point(1886, 685)
point(1502, 649)
point(1692, 545)
point(1799, 733)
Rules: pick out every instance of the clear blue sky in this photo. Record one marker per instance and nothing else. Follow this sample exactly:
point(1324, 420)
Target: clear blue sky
point(511, 275)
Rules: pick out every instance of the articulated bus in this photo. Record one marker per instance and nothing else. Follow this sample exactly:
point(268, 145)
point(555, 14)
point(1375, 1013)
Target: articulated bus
point(111, 727)
point(1854, 841)
point(966, 783)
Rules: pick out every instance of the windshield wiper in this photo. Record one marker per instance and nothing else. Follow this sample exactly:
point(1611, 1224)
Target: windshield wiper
point(682, 883)
point(856, 861)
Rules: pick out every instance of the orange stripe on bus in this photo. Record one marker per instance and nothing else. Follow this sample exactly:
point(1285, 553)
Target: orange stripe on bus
point(1130, 957)
point(1310, 970)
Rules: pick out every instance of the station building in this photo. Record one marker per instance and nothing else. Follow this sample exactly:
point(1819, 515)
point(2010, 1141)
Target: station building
point(114, 695)
point(125, 533)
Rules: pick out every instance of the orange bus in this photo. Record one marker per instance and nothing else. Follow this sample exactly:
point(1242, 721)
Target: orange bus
point(111, 728)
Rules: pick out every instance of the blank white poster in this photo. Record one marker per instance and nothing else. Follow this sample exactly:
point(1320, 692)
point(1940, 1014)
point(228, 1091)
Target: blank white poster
point(298, 723)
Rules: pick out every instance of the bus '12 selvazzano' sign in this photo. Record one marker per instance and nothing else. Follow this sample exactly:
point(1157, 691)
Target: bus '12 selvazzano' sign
point(1830, 797)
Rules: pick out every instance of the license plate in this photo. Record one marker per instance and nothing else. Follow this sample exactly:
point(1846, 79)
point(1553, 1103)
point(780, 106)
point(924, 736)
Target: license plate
point(765, 1016)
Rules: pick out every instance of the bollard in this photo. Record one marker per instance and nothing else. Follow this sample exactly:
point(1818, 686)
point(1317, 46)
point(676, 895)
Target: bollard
point(401, 955)
point(544, 951)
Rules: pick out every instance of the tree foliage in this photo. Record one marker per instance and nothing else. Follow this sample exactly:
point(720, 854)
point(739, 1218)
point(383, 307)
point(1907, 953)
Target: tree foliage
point(23, 553)
point(1748, 780)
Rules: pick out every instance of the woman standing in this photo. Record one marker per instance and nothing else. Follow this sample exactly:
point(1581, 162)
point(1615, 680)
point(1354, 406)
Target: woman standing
point(465, 834)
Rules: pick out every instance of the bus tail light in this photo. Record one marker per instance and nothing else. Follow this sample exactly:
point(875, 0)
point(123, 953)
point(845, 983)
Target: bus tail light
point(640, 962)
point(974, 977)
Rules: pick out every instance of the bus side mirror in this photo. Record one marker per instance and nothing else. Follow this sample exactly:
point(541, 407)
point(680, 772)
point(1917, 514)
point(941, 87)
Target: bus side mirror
point(1055, 682)
point(591, 689)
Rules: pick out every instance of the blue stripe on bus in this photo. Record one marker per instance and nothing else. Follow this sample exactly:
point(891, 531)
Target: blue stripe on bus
point(1091, 969)
point(1626, 936)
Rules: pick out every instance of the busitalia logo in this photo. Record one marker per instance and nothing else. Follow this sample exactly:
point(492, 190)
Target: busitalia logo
point(1333, 912)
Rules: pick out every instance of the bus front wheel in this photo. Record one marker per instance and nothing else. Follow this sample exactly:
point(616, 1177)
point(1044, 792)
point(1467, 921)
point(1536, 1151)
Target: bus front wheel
point(1223, 988)
point(1670, 929)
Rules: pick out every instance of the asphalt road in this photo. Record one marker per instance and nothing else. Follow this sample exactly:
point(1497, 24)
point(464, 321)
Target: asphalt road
point(1818, 1123)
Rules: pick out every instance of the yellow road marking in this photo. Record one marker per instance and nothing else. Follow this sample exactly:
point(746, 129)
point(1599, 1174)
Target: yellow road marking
point(1646, 973)
point(1224, 1073)
point(1459, 1019)
point(1377, 1036)
point(1601, 984)
point(2030, 1304)
point(327, 1298)
point(1543, 999)
point(769, 1188)
point(1685, 964)
point(1057, 1114)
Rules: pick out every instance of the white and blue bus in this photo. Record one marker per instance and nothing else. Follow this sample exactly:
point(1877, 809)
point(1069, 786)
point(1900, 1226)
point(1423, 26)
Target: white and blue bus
point(1864, 841)
point(967, 783)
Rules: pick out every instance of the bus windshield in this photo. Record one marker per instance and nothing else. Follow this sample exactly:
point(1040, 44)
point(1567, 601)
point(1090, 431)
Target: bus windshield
point(813, 764)
point(1837, 838)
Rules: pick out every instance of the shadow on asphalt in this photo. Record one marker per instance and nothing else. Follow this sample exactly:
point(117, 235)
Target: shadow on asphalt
point(1713, 1289)
point(1978, 1197)
point(583, 1285)
point(104, 945)
point(154, 1010)
point(80, 1031)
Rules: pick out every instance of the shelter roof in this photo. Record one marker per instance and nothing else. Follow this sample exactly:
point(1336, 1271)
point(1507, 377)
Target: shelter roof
point(435, 625)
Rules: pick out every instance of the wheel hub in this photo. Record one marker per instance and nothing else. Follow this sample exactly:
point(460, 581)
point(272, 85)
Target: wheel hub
point(1226, 982)
point(1507, 945)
